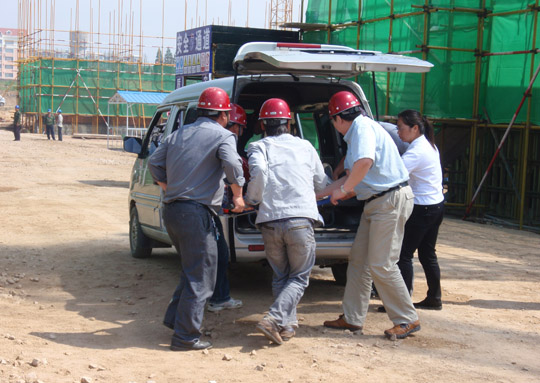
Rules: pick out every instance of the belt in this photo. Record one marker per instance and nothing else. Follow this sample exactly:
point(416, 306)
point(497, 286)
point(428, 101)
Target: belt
point(401, 185)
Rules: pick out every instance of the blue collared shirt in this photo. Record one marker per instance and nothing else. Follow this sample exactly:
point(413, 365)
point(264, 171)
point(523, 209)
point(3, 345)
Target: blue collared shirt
point(367, 139)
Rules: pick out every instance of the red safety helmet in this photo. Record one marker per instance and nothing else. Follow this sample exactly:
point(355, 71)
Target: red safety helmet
point(214, 98)
point(237, 115)
point(342, 101)
point(275, 108)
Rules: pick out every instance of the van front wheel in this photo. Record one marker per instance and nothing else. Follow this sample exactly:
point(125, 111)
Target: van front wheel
point(339, 271)
point(139, 243)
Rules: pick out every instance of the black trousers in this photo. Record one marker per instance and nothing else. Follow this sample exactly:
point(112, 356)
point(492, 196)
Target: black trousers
point(421, 231)
point(50, 131)
point(17, 132)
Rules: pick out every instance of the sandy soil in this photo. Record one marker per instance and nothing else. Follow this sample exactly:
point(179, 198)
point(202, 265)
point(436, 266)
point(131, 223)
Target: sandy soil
point(74, 305)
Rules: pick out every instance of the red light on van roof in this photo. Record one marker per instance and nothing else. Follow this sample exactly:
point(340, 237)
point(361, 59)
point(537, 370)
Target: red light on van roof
point(256, 247)
point(298, 45)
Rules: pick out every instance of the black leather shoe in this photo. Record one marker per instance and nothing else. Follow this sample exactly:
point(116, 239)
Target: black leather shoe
point(381, 309)
point(199, 345)
point(427, 304)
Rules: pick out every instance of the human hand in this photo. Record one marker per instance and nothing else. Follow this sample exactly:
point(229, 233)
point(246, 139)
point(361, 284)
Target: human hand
point(337, 195)
point(239, 204)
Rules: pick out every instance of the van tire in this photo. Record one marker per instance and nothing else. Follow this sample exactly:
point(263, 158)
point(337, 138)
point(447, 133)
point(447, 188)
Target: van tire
point(139, 243)
point(339, 270)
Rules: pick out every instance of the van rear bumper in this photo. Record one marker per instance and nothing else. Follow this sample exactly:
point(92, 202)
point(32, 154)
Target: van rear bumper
point(326, 253)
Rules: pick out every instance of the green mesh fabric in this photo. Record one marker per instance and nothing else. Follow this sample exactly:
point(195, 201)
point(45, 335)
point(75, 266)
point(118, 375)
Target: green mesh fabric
point(449, 89)
point(61, 87)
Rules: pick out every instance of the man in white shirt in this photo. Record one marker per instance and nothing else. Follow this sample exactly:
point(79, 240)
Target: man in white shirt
point(378, 177)
point(59, 123)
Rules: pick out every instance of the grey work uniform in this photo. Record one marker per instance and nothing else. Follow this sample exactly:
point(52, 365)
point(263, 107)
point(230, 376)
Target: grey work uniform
point(192, 161)
point(285, 174)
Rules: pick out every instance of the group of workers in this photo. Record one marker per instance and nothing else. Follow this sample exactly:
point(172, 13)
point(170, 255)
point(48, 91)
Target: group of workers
point(286, 179)
point(49, 121)
point(49, 124)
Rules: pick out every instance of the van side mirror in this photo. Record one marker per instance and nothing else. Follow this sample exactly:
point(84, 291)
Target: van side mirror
point(133, 144)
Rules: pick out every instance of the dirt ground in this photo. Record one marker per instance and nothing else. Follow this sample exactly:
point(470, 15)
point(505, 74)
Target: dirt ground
point(75, 307)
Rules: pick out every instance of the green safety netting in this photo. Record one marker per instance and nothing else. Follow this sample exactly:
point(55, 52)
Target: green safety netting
point(450, 86)
point(49, 84)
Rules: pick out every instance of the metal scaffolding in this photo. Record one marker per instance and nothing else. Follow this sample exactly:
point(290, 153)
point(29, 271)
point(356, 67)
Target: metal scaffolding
point(512, 191)
point(79, 70)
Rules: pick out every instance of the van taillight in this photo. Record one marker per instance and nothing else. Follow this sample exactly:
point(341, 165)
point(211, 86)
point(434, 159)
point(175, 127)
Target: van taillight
point(256, 247)
point(298, 45)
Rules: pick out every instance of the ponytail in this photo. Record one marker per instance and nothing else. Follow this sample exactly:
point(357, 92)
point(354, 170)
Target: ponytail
point(428, 131)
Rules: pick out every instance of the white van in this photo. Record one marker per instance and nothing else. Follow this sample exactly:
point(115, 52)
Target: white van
point(305, 76)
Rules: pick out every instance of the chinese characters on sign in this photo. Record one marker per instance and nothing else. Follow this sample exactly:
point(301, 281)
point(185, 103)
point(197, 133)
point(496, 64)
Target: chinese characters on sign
point(193, 52)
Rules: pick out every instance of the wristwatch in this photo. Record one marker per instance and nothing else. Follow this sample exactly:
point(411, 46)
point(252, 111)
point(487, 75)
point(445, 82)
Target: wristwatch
point(343, 190)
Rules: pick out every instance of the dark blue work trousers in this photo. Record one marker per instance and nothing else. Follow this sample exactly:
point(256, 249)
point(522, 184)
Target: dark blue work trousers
point(50, 131)
point(222, 290)
point(421, 231)
point(193, 232)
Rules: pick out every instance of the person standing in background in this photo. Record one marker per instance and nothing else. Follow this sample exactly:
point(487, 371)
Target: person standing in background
point(17, 124)
point(59, 123)
point(49, 125)
point(422, 228)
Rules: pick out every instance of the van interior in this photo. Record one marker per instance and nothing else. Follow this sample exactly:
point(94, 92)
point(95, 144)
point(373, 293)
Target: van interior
point(308, 100)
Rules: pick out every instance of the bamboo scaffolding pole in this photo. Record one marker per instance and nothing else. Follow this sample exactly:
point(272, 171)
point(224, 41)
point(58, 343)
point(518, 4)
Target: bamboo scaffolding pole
point(525, 147)
point(388, 75)
point(424, 57)
point(329, 39)
point(476, 96)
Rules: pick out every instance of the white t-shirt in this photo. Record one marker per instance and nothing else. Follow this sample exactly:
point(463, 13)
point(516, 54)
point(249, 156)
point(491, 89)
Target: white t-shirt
point(424, 166)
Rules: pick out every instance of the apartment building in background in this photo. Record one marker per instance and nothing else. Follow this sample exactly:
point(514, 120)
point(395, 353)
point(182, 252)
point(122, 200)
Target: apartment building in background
point(8, 53)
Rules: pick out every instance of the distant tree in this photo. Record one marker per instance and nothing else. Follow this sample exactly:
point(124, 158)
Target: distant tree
point(169, 58)
point(159, 57)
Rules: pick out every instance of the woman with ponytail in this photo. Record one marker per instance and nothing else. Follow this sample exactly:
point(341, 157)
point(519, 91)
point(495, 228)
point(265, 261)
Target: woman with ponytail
point(423, 163)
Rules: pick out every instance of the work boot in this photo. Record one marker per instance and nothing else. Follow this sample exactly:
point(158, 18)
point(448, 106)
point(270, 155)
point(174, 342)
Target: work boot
point(269, 327)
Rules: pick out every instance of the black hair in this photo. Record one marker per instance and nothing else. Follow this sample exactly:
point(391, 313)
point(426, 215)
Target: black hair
point(210, 113)
point(275, 126)
point(412, 117)
point(351, 113)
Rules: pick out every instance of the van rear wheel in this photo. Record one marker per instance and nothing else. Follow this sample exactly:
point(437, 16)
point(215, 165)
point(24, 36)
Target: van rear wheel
point(339, 271)
point(139, 243)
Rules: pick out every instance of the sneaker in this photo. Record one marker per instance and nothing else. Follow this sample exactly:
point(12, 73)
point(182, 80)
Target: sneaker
point(287, 332)
point(227, 305)
point(428, 304)
point(341, 324)
point(403, 330)
point(270, 329)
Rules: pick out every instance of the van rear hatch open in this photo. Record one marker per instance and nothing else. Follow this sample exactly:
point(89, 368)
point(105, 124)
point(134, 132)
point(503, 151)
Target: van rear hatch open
point(320, 59)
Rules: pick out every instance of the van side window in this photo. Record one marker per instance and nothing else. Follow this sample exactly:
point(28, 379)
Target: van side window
point(191, 116)
point(155, 132)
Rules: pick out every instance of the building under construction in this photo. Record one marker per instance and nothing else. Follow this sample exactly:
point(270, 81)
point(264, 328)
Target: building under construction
point(79, 71)
point(484, 54)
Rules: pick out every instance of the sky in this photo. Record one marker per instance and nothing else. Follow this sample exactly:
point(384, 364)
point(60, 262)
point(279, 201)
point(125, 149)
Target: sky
point(199, 13)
